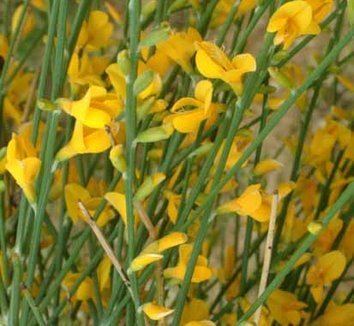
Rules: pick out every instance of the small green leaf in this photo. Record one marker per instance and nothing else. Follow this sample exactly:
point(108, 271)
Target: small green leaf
point(143, 81)
point(155, 36)
point(46, 105)
point(155, 134)
point(2, 153)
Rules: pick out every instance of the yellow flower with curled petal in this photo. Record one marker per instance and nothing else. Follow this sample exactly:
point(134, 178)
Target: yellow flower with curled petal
point(84, 140)
point(156, 312)
point(23, 164)
point(285, 308)
point(95, 110)
point(186, 121)
point(212, 62)
point(87, 69)
point(201, 271)
point(74, 193)
point(153, 251)
point(291, 20)
point(118, 201)
point(95, 32)
point(266, 166)
point(320, 9)
point(251, 203)
point(179, 47)
point(324, 271)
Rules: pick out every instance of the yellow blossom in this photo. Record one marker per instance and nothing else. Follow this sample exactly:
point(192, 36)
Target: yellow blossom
point(156, 312)
point(95, 110)
point(291, 20)
point(251, 203)
point(320, 9)
point(29, 22)
point(285, 308)
point(74, 193)
point(189, 120)
point(336, 315)
point(347, 243)
point(84, 140)
point(267, 166)
point(23, 164)
point(179, 47)
point(174, 200)
point(153, 251)
point(87, 69)
point(85, 290)
point(118, 201)
point(4, 46)
point(324, 271)
point(195, 310)
point(96, 31)
point(201, 271)
point(212, 62)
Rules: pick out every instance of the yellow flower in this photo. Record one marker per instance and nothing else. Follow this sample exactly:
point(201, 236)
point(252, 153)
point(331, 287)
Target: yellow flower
point(29, 22)
point(103, 273)
point(246, 6)
point(86, 289)
point(189, 120)
point(40, 4)
point(23, 165)
point(83, 141)
point(285, 308)
point(201, 271)
point(96, 109)
point(195, 310)
point(87, 70)
point(347, 243)
point(174, 200)
point(326, 269)
point(169, 241)
point(292, 20)
point(212, 62)
point(118, 201)
point(143, 260)
point(4, 46)
point(74, 193)
point(267, 166)
point(179, 47)
point(156, 312)
point(251, 203)
point(153, 251)
point(96, 31)
point(336, 315)
point(324, 242)
point(320, 9)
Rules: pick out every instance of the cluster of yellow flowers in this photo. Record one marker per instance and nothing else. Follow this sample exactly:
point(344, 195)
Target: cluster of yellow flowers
point(137, 181)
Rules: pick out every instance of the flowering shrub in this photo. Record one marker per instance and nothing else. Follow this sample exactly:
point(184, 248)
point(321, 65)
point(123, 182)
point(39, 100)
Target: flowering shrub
point(176, 162)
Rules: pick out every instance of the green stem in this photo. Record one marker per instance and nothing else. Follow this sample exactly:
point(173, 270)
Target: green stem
point(134, 7)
